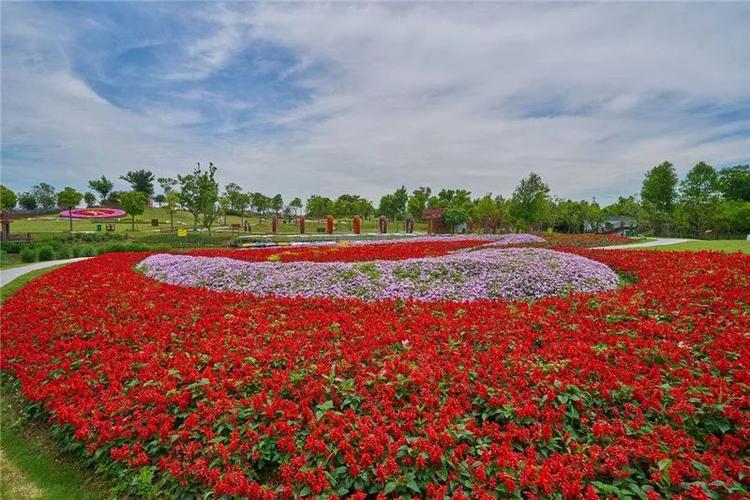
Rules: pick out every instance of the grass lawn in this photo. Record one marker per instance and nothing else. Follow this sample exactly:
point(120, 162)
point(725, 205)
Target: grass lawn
point(54, 224)
point(30, 465)
point(716, 245)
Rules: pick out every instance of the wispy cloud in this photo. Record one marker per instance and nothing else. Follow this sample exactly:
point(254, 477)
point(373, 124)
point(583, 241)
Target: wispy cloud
point(334, 98)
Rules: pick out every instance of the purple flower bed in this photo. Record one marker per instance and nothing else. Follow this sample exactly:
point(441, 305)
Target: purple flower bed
point(492, 273)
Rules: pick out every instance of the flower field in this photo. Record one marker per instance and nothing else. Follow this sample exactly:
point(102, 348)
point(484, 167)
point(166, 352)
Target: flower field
point(641, 390)
point(489, 273)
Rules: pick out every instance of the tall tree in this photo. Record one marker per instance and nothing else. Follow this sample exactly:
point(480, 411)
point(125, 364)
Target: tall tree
point(168, 184)
point(134, 203)
point(530, 200)
point(171, 200)
point(224, 207)
point(238, 200)
point(295, 205)
point(199, 194)
point(89, 198)
point(277, 204)
point(627, 206)
point(659, 196)
point(734, 182)
point(261, 203)
point(69, 198)
point(659, 188)
point(418, 202)
point(8, 199)
point(140, 180)
point(455, 216)
point(45, 195)
point(699, 195)
point(27, 201)
point(103, 186)
point(487, 214)
point(319, 206)
point(393, 205)
point(363, 207)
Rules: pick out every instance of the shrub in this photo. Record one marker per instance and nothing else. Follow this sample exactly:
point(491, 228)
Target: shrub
point(14, 246)
point(63, 252)
point(125, 247)
point(85, 251)
point(28, 255)
point(45, 253)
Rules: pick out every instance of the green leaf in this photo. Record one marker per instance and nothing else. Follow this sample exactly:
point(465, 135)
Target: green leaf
point(412, 485)
point(328, 405)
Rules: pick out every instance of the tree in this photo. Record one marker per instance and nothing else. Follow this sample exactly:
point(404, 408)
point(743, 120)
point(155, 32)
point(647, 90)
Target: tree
point(260, 202)
point(140, 180)
point(734, 182)
point(318, 206)
point(349, 205)
point(277, 204)
point(487, 213)
point(199, 194)
point(418, 202)
point(659, 187)
point(168, 184)
point(69, 198)
point(89, 198)
point(189, 194)
point(114, 198)
point(238, 200)
point(400, 198)
point(171, 199)
point(45, 195)
point(386, 206)
point(103, 186)
point(134, 203)
point(626, 206)
point(224, 207)
point(363, 208)
point(699, 195)
point(27, 201)
point(503, 206)
point(454, 217)
point(530, 200)
point(295, 205)
point(393, 205)
point(8, 199)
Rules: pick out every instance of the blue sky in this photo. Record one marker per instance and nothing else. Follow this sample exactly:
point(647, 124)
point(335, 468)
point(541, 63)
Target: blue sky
point(333, 98)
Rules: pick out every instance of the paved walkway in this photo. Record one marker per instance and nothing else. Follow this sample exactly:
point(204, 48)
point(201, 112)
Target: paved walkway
point(8, 275)
point(656, 243)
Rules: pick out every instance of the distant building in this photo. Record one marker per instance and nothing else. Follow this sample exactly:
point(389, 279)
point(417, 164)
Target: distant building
point(613, 224)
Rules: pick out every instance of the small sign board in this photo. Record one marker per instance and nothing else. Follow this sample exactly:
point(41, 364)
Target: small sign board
point(181, 231)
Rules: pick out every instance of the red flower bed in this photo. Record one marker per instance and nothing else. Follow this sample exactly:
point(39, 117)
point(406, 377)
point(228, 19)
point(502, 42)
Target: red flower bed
point(345, 252)
point(642, 391)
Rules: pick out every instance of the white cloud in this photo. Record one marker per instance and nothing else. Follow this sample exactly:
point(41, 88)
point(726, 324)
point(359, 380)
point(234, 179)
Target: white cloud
point(589, 96)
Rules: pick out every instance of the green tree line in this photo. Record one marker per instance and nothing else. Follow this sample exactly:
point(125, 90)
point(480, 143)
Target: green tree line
point(706, 203)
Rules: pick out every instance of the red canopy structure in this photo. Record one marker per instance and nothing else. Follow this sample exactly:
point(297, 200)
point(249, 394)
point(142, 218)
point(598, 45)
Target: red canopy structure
point(92, 213)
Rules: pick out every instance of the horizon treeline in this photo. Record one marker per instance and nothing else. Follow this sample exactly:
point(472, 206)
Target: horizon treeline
point(706, 202)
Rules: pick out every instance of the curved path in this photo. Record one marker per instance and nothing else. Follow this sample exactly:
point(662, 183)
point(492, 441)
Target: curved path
point(8, 275)
point(658, 242)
